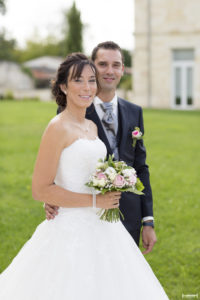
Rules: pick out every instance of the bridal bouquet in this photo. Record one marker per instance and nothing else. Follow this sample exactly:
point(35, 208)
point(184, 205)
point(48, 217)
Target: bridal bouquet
point(111, 176)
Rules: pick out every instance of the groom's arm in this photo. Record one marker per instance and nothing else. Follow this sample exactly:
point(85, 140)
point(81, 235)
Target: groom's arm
point(50, 211)
point(148, 233)
point(143, 173)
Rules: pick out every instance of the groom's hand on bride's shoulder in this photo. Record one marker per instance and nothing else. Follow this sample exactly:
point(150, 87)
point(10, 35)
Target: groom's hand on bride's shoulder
point(148, 238)
point(51, 211)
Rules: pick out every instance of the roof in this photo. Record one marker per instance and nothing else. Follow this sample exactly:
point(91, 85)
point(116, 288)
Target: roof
point(44, 62)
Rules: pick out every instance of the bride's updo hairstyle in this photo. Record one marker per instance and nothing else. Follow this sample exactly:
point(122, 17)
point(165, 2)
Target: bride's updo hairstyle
point(76, 61)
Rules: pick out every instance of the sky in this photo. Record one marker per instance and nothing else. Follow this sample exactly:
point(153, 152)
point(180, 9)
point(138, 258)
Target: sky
point(103, 20)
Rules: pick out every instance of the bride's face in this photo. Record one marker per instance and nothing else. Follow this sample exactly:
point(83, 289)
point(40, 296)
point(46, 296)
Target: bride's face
point(82, 90)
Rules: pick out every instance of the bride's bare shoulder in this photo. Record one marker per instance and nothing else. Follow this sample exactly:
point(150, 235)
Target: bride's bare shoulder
point(58, 123)
point(57, 127)
point(93, 126)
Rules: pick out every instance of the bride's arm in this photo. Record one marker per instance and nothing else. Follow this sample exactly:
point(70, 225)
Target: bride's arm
point(52, 210)
point(43, 187)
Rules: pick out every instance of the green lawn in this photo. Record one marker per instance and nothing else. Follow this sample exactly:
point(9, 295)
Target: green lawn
point(173, 142)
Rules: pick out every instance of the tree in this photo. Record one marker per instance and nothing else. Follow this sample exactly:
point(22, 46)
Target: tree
point(126, 80)
point(2, 7)
point(73, 28)
point(127, 57)
point(7, 47)
point(38, 46)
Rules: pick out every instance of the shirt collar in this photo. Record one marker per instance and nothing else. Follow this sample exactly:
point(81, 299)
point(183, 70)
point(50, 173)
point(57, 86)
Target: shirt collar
point(114, 101)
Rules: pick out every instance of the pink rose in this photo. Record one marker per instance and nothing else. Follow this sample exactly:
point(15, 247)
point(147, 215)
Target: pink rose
point(132, 179)
point(119, 181)
point(136, 133)
point(101, 176)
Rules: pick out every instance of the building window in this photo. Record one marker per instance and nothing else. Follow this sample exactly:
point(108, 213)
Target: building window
point(183, 55)
point(182, 76)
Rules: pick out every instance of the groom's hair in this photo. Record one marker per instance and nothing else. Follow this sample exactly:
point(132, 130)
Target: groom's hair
point(109, 45)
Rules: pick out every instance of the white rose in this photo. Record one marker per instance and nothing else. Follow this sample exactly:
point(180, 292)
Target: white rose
point(95, 181)
point(110, 170)
point(112, 176)
point(111, 173)
point(128, 172)
point(101, 182)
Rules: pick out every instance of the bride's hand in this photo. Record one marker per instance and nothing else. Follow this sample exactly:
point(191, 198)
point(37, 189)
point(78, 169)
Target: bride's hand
point(108, 200)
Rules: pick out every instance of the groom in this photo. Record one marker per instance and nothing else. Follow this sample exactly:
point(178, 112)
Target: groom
point(116, 119)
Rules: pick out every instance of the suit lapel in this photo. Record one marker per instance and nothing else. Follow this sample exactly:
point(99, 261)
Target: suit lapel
point(123, 114)
point(92, 115)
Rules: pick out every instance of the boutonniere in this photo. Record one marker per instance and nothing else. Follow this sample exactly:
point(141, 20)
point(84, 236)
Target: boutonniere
point(136, 135)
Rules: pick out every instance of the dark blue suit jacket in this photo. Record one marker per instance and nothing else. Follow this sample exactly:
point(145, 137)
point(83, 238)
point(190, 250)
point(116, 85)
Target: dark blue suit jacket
point(133, 207)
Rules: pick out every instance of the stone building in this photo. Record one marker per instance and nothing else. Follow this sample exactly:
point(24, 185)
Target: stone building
point(43, 69)
point(167, 54)
point(12, 77)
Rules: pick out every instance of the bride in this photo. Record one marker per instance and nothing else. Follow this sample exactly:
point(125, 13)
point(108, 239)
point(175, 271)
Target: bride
point(76, 255)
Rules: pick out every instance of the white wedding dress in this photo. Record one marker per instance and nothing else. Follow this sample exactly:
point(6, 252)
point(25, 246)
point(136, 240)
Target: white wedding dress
point(77, 256)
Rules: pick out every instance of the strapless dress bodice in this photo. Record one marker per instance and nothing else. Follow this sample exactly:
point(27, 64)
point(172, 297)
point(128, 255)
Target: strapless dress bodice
point(77, 162)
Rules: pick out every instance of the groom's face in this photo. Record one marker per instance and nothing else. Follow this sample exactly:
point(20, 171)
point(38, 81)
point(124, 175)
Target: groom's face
point(110, 68)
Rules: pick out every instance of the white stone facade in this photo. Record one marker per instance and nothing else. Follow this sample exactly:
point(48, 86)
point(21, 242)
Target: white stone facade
point(162, 26)
point(12, 77)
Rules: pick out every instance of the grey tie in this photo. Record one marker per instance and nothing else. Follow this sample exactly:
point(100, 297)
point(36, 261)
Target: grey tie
point(109, 119)
point(110, 123)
